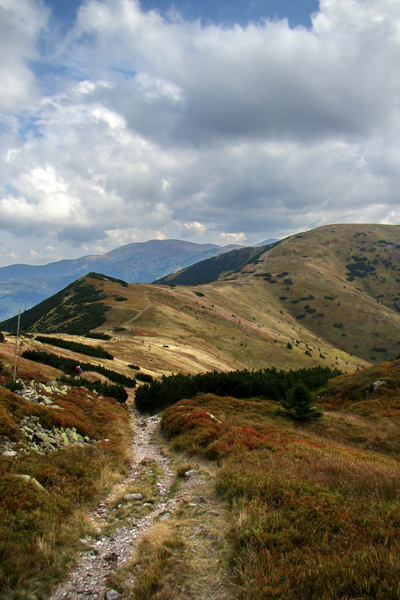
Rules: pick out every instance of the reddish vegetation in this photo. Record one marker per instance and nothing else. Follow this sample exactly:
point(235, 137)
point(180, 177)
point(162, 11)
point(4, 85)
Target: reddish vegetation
point(71, 477)
point(373, 392)
point(310, 518)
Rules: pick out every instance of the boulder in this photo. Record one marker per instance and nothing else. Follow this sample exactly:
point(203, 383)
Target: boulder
point(112, 595)
point(133, 497)
point(32, 481)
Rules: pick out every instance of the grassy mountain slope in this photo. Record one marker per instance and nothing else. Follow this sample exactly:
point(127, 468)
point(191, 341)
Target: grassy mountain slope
point(226, 325)
point(341, 282)
point(22, 286)
point(211, 269)
point(327, 296)
point(313, 507)
point(46, 495)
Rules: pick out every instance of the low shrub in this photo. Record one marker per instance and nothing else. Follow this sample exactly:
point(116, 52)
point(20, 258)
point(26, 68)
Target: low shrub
point(144, 377)
point(43, 495)
point(98, 335)
point(269, 383)
point(309, 518)
point(14, 386)
point(67, 365)
point(96, 351)
point(113, 391)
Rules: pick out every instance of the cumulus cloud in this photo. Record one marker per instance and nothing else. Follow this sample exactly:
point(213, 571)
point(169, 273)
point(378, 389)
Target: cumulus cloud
point(20, 25)
point(231, 238)
point(159, 127)
point(195, 227)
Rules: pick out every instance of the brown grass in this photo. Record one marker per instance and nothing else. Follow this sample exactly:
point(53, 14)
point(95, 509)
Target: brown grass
point(310, 517)
point(40, 526)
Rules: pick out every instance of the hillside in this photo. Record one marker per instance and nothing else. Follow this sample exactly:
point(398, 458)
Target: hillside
point(294, 510)
point(220, 326)
point(23, 286)
point(320, 276)
point(212, 269)
point(297, 510)
point(289, 304)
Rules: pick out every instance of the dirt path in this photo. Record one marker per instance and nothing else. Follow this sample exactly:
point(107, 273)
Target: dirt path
point(138, 315)
point(124, 518)
point(110, 551)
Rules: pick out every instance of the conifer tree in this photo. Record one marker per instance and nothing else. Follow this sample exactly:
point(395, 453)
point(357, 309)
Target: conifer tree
point(298, 404)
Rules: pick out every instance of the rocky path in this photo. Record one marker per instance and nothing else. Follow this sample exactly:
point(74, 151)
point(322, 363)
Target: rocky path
point(109, 551)
point(139, 314)
point(195, 514)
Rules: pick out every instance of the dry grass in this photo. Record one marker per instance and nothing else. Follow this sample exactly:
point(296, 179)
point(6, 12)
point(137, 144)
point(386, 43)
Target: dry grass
point(40, 526)
point(156, 568)
point(234, 325)
point(123, 508)
point(187, 555)
point(310, 517)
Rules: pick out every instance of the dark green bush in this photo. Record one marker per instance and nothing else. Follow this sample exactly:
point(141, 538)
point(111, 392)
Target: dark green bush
point(298, 404)
point(98, 335)
point(144, 377)
point(67, 365)
point(113, 391)
point(96, 351)
point(14, 386)
point(269, 383)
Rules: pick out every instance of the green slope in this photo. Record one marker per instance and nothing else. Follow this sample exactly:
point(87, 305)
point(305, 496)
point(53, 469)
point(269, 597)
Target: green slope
point(213, 268)
point(75, 309)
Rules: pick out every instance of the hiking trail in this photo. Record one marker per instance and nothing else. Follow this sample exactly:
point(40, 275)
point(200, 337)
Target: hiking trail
point(197, 512)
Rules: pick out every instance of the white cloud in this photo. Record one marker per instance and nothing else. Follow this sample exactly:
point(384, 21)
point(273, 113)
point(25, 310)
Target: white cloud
point(195, 227)
point(163, 128)
point(231, 238)
point(20, 25)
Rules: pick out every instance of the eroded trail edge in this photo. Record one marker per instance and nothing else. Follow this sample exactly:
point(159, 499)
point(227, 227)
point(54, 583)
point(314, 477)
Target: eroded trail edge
point(150, 494)
point(117, 536)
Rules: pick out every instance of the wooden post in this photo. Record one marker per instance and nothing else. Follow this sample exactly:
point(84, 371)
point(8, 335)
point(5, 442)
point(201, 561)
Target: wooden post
point(16, 347)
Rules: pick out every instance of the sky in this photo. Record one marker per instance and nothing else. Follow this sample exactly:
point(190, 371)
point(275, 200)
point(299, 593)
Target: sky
point(222, 121)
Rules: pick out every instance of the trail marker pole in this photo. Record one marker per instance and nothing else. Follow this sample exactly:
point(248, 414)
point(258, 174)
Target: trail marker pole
point(16, 346)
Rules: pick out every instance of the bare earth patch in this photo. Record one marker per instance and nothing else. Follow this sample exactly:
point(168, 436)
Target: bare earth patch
point(153, 505)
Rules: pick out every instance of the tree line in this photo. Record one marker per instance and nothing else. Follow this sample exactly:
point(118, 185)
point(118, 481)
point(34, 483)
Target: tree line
point(67, 365)
point(269, 383)
point(96, 351)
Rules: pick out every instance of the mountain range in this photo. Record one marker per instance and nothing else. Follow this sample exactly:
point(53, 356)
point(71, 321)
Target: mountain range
point(307, 502)
point(330, 294)
point(23, 286)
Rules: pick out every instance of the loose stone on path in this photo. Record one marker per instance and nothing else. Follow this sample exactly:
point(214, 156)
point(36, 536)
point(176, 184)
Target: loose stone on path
point(88, 579)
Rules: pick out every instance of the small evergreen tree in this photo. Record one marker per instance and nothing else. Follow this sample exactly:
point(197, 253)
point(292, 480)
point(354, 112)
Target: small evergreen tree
point(298, 404)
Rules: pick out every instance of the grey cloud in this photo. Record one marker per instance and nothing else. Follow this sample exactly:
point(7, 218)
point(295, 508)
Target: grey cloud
point(262, 80)
point(78, 235)
point(261, 130)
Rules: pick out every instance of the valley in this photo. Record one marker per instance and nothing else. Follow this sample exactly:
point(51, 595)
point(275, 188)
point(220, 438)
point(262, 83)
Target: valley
point(214, 497)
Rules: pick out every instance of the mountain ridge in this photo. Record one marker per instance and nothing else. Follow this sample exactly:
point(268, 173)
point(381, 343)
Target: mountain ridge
point(22, 286)
point(289, 302)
